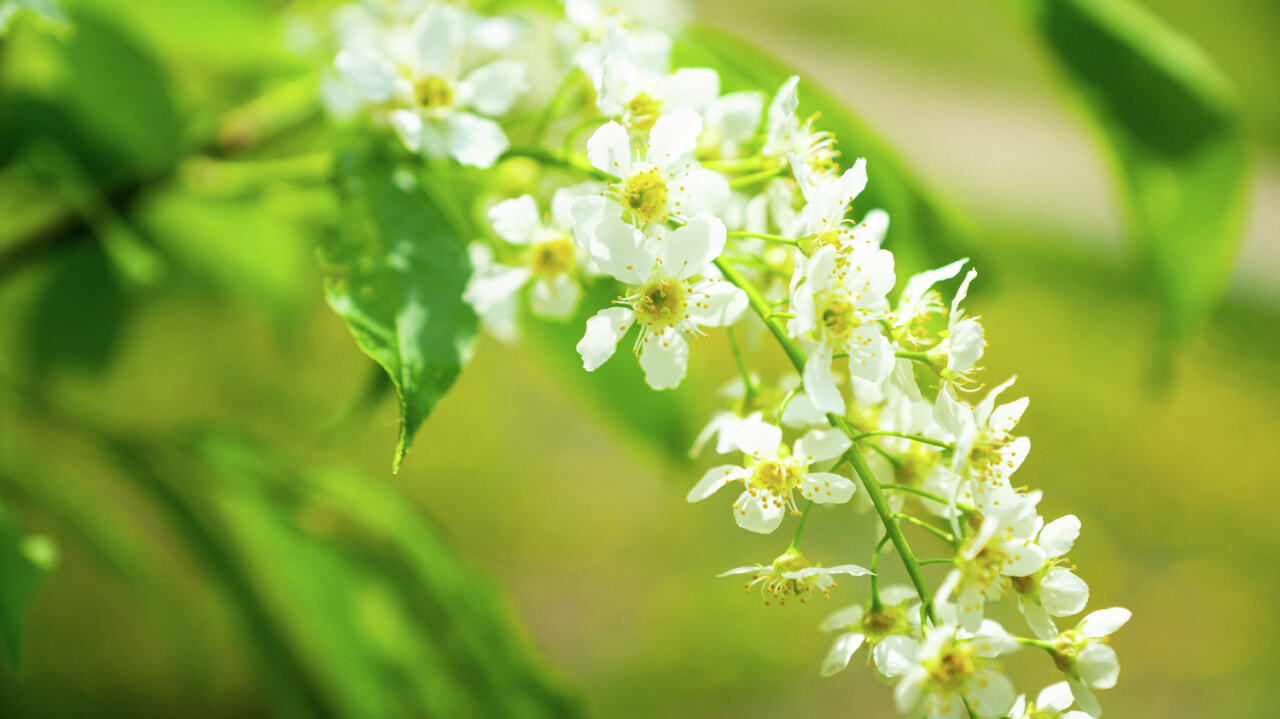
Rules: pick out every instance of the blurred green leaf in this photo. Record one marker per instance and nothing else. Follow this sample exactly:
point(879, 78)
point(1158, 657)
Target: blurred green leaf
point(395, 272)
point(120, 95)
point(23, 563)
point(925, 231)
point(381, 612)
point(1173, 126)
point(77, 319)
point(239, 247)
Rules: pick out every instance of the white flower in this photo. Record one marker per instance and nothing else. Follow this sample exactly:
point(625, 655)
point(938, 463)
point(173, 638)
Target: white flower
point(549, 258)
point(827, 200)
point(1052, 590)
point(774, 473)
point(671, 295)
point(986, 451)
point(1085, 658)
point(957, 355)
point(593, 21)
point(659, 184)
point(837, 307)
point(787, 135)
point(626, 89)
point(861, 624)
point(1001, 548)
point(437, 111)
point(1051, 703)
point(951, 669)
point(791, 575)
point(731, 122)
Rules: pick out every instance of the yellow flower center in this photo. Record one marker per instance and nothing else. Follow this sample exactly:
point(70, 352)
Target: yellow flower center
point(951, 668)
point(774, 477)
point(552, 258)
point(433, 93)
point(646, 196)
point(643, 112)
point(837, 317)
point(662, 303)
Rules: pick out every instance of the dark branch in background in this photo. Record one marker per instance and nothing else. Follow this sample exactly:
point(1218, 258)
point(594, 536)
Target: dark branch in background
point(240, 131)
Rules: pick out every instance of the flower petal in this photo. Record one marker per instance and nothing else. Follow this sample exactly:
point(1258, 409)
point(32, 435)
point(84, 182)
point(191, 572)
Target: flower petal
point(474, 140)
point(841, 652)
point(493, 88)
point(827, 488)
point(609, 149)
point(1104, 622)
point(664, 357)
point(820, 384)
point(673, 137)
point(1063, 593)
point(819, 445)
point(1057, 536)
point(756, 516)
point(713, 480)
point(604, 329)
point(516, 219)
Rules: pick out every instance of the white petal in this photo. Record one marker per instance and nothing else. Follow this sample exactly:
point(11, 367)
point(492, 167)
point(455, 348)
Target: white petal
point(587, 214)
point(1104, 622)
point(609, 149)
point(1084, 697)
point(870, 354)
point(820, 445)
point(689, 249)
point(516, 219)
point(847, 617)
point(736, 116)
point(1063, 593)
point(697, 190)
point(873, 228)
point(756, 437)
point(1005, 417)
point(966, 345)
point(1055, 697)
point(371, 73)
point(719, 304)
point(827, 488)
point(690, 87)
point(620, 251)
point(919, 284)
point(841, 651)
point(1098, 666)
point(664, 357)
point(820, 384)
point(493, 88)
point(409, 126)
point(962, 292)
point(757, 517)
point(1057, 536)
point(990, 693)
point(604, 329)
point(555, 298)
point(474, 140)
point(713, 480)
point(782, 110)
point(673, 137)
point(908, 693)
point(1023, 559)
point(894, 655)
point(1038, 619)
point(437, 35)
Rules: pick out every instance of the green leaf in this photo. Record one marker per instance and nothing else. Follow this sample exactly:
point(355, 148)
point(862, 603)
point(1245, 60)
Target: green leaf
point(925, 231)
point(23, 563)
point(1169, 119)
point(395, 272)
point(78, 317)
point(380, 611)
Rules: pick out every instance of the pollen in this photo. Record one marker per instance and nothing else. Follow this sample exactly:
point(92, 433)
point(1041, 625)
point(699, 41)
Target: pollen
point(433, 93)
point(645, 194)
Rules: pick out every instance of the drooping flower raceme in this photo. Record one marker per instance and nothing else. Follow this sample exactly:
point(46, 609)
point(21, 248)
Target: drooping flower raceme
point(687, 206)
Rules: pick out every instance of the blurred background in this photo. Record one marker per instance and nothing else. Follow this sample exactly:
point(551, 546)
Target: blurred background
point(209, 452)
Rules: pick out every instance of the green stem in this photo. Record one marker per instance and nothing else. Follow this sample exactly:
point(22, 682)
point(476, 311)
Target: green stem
point(915, 356)
point(747, 180)
point(967, 509)
point(804, 517)
point(548, 112)
point(578, 129)
point(742, 366)
point(559, 159)
point(782, 406)
point(937, 560)
point(947, 537)
point(905, 435)
point(1037, 643)
point(875, 574)
point(761, 307)
point(765, 236)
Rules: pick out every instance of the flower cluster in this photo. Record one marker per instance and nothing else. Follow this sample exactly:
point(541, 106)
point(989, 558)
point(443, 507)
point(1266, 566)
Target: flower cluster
point(696, 206)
